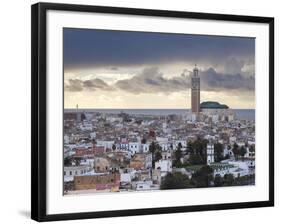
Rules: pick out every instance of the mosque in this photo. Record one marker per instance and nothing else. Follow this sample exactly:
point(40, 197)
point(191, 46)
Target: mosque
point(210, 109)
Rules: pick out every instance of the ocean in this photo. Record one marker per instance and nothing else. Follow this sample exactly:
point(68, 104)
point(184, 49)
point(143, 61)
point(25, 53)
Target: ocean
point(242, 114)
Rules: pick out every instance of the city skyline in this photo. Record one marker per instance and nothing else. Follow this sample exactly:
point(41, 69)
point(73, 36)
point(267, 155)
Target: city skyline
point(137, 70)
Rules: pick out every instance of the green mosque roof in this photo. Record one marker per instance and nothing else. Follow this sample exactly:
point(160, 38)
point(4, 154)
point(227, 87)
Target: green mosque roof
point(212, 105)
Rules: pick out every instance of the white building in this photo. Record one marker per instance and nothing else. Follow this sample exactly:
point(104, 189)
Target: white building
point(177, 142)
point(125, 177)
point(105, 144)
point(88, 162)
point(167, 154)
point(93, 135)
point(134, 147)
point(146, 185)
point(66, 139)
point(124, 145)
point(70, 171)
point(210, 153)
point(145, 147)
point(86, 126)
point(164, 165)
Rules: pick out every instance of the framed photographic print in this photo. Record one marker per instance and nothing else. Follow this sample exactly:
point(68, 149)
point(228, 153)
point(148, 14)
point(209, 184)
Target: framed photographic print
point(138, 111)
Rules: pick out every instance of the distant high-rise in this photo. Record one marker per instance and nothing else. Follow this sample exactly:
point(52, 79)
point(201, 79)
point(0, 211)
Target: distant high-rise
point(195, 91)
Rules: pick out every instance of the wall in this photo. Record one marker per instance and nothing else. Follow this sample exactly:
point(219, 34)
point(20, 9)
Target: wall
point(15, 101)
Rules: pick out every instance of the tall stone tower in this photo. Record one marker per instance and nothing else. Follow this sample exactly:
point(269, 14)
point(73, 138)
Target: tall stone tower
point(210, 153)
point(195, 91)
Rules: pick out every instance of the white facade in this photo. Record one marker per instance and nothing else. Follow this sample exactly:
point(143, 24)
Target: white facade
point(125, 177)
point(215, 118)
point(134, 147)
point(88, 162)
point(164, 165)
point(66, 139)
point(86, 126)
point(167, 155)
point(177, 142)
point(210, 153)
point(165, 146)
point(124, 146)
point(145, 148)
point(105, 144)
point(146, 185)
point(70, 171)
point(93, 135)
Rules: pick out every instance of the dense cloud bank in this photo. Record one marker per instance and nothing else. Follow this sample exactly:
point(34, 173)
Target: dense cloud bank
point(152, 80)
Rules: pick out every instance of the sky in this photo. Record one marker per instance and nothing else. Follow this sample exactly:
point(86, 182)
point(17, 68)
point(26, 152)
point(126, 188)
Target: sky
point(145, 70)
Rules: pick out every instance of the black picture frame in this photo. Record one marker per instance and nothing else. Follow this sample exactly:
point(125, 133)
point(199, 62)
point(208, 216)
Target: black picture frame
point(39, 108)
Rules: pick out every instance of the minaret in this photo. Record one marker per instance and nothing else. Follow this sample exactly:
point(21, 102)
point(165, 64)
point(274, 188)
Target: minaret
point(195, 91)
point(78, 115)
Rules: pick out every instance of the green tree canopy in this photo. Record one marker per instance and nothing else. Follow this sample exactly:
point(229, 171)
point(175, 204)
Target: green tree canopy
point(155, 150)
point(176, 181)
point(235, 150)
point(218, 150)
point(203, 177)
point(218, 181)
point(178, 155)
point(228, 180)
point(242, 152)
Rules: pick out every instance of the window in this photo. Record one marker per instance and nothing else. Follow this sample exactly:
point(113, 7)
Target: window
point(70, 173)
point(64, 173)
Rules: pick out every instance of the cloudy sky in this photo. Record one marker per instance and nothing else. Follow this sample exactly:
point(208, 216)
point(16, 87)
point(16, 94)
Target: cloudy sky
point(119, 69)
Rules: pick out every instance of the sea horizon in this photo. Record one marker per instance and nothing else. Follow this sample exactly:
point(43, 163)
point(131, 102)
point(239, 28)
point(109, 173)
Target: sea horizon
point(248, 114)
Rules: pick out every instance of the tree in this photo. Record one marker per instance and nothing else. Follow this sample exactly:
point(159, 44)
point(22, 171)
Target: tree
point(235, 150)
point(180, 145)
point(189, 148)
point(155, 150)
point(242, 152)
point(228, 180)
point(113, 147)
point(178, 155)
point(67, 161)
point(143, 141)
point(176, 181)
point(198, 151)
point(218, 181)
point(199, 146)
point(252, 149)
point(195, 159)
point(77, 161)
point(218, 149)
point(152, 147)
point(158, 155)
point(203, 177)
